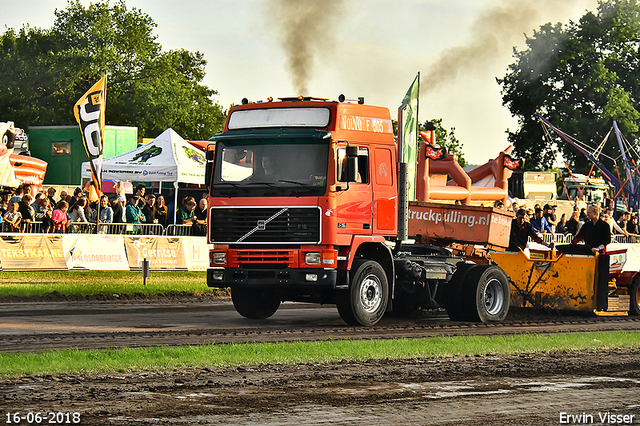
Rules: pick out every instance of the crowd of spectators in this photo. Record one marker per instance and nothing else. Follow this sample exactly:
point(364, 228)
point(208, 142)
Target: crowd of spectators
point(545, 220)
point(20, 211)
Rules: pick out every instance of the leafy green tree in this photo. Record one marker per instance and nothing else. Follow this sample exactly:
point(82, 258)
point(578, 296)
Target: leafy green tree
point(446, 138)
point(43, 72)
point(580, 76)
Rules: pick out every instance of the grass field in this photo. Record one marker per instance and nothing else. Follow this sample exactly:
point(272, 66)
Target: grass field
point(85, 283)
point(254, 354)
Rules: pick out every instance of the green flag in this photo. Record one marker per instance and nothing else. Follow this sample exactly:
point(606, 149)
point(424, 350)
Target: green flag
point(410, 135)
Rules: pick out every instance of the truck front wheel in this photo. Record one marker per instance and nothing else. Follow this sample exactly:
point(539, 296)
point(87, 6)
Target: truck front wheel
point(366, 300)
point(255, 303)
point(486, 294)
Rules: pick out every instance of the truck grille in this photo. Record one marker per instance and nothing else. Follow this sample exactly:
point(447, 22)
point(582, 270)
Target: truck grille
point(261, 225)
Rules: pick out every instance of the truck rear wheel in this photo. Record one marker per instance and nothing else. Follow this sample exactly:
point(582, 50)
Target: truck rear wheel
point(634, 297)
point(453, 298)
point(255, 303)
point(486, 294)
point(366, 300)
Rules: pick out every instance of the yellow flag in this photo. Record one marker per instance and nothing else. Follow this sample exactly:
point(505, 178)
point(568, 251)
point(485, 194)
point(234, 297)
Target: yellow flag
point(89, 112)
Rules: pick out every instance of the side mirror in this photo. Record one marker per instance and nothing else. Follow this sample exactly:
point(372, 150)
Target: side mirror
point(208, 168)
point(352, 163)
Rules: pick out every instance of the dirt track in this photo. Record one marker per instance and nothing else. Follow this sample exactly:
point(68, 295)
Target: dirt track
point(495, 390)
point(488, 390)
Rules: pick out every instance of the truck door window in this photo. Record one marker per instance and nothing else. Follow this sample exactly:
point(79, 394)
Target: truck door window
point(362, 165)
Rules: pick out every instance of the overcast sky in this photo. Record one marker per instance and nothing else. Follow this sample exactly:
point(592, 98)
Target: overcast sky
point(371, 48)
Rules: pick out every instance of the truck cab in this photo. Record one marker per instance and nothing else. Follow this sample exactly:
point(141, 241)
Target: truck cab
point(303, 193)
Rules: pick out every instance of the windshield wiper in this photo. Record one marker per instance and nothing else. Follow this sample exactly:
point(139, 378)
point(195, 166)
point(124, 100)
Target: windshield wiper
point(261, 183)
point(293, 181)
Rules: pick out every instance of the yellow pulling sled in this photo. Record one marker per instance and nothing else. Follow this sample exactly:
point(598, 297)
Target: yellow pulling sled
point(572, 277)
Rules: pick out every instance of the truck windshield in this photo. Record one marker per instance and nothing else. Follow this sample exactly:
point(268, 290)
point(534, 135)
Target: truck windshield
point(251, 168)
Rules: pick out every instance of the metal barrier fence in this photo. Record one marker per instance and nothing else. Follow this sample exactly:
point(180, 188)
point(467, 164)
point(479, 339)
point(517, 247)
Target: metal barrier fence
point(179, 230)
point(566, 239)
point(106, 228)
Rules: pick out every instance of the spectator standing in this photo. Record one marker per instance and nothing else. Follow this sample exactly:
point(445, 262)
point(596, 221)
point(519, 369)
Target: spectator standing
point(4, 202)
point(148, 209)
point(12, 218)
point(116, 207)
point(51, 193)
point(27, 212)
point(539, 223)
point(140, 190)
point(632, 225)
point(120, 195)
point(615, 228)
point(186, 214)
point(133, 214)
point(550, 214)
point(562, 224)
point(200, 223)
point(583, 215)
point(19, 193)
point(45, 216)
point(103, 214)
point(59, 217)
point(77, 194)
point(76, 212)
point(624, 219)
point(160, 210)
point(106, 212)
point(573, 224)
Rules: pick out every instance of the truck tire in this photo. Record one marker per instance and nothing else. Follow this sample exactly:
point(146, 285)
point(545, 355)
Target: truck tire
point(255, 303)
point(634, 297)
point(486, 294)
point(366, 300)
point(453, 296)
point(405, 301)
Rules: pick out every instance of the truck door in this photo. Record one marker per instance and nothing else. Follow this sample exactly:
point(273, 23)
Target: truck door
point(354, 206)
point(385, 194)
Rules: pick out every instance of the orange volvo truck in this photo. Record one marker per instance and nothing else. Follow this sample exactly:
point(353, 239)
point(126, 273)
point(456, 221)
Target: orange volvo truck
point(305, 206)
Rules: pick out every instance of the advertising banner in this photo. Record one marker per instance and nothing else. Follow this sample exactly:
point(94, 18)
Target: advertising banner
point(84, 251)
point(32, 252)
point(196, 251)
point(462, 224)
point(163, 253)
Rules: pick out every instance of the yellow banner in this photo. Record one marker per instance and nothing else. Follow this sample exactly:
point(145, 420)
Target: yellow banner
point(90, 115)
point(32, 252)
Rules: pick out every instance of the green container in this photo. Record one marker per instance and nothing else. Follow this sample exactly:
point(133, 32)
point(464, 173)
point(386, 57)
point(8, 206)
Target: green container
point(63, 149)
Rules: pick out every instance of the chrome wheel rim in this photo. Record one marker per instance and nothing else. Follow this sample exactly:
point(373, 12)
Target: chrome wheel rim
point(371, 293)
point(493, 297)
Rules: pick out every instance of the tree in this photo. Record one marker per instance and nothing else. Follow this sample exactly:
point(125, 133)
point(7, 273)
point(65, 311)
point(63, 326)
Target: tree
point(446, 138)
point(43, 72)
point(581, 76)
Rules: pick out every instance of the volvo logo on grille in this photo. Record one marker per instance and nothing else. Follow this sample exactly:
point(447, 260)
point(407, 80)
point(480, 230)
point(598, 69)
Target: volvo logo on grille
point(261, 225)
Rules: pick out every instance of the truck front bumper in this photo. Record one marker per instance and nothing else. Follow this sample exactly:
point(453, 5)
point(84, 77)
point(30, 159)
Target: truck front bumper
point(312, 278)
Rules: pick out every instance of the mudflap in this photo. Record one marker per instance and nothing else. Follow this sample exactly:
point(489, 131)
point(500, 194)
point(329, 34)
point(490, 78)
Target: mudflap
point(602, 283)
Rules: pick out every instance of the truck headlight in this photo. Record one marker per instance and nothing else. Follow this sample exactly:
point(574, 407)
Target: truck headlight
point(219, 258)
point(312, 258)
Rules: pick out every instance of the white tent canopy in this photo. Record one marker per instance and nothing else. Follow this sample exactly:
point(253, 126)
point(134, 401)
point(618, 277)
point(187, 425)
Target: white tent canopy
point(168, 158)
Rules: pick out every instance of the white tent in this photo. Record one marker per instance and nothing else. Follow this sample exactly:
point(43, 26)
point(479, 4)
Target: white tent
point(168, 158)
